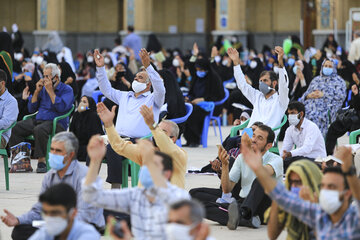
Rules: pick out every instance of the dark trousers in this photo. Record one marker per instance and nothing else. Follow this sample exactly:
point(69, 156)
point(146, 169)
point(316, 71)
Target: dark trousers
point(336, 130)
point(23, 232)
point(256, 203)
point(41, 131)
point(289, 160)
point(194, 125)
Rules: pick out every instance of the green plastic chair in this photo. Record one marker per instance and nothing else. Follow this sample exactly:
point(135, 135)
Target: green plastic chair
point(353, 136)
point(134, 168)
point(52, 134)
point(3, 153)
point(274, 149)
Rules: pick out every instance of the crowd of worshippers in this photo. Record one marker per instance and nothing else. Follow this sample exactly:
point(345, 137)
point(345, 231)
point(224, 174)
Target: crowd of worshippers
point(142, 90)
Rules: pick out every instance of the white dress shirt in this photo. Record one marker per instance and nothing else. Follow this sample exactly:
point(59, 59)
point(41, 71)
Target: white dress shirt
point(308, 140)
point(129, 122)
point(268, 111)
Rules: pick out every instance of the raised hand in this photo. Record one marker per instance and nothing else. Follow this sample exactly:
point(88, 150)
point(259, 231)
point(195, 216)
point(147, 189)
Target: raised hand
point(10, 220)
point(344, 154)
point(124, 227)
point(234, 56)
point(145, 58)
point(214, 52)
point(105, 115)
point(280, 52)
point(195, 49)
point(26, 93)
point(305, 193)
point(252, 159)
point(49, 87)
point(147, 150)
point(96, 149)
point(99, 59)
point(355, 89)
point(223, 156)
point(39, 85)
point(148, 115)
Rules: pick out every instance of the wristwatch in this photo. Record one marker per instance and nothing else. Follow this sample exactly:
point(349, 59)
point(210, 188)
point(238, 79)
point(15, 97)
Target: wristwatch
point(155, 124)
point(351, 172)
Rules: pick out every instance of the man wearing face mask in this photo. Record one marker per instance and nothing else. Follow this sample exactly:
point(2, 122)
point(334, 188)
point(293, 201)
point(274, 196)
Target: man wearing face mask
point(164, 134)
point(146, 205)
point(334, 217)
point(304, 134)
point(51, 99)
point(129, 123)
point(59, 213)
point(269, 105)
point(65, 168)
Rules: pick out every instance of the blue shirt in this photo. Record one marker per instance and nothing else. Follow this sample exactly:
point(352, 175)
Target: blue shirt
point(47, 110)
point(73, 176)
point(312, 215)
point(133, 41)
point(79, 231)
point(8, 112)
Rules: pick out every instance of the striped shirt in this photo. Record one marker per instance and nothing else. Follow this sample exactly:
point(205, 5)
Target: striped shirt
point(148, 219)
point(312, 215)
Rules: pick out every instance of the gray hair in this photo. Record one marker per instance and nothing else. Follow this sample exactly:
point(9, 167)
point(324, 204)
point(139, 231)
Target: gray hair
point(174, 128)
point(197, 211)
point(70, 141)
point(55, 70)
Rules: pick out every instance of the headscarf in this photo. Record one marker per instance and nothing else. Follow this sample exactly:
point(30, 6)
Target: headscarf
point(153, 44)
point(6, 64)
point(66, 72)
point(310, 176)
point(6, 44)
point(297, 79)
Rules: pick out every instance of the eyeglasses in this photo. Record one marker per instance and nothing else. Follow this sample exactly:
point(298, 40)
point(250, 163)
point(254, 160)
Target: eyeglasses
point(295, 182)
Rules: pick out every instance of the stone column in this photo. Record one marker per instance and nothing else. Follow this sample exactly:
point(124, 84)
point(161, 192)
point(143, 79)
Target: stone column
point(231, 19)
point(50, 17)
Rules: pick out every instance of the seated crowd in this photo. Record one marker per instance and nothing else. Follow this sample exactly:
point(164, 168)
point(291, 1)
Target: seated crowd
point(143, 93)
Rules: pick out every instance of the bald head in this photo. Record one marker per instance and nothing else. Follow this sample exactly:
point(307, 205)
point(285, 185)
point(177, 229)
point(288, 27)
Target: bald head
point(170, 128)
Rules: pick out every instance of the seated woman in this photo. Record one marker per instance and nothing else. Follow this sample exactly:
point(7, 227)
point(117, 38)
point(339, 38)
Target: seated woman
point(85, 123)
point(68, 77)
point(300, 174)
point(205, 86)
point(326, 92)
point(299, 79)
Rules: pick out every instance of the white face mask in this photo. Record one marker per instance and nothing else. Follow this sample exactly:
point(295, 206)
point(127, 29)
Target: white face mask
point(55, 225)
point(90, 59)
point(175, 231)
point(242, 122)
point(293, 119)
point(217, 59)
point(39, 60)
point(253, 64)
point(175, 62)
point(138, 86)
point(276, 69)
point(225, 62)
point(329, 200)
point(18, 56)
point(33, 59)
point(107, 60)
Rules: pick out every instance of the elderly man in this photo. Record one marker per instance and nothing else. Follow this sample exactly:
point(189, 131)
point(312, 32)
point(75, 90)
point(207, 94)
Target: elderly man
point(165, 135)
point(146, 205)
point(129, 123)
point(65, 169)
point(8, 109)
point(51, 99)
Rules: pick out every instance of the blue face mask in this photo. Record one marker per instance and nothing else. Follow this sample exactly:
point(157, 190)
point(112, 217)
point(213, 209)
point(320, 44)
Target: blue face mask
point(56, 161)
point(291, 62)
point(270, 65)
point(200, 74)
point(295, 190)
point(295, 69)
point(327, 71)
point(145, 177)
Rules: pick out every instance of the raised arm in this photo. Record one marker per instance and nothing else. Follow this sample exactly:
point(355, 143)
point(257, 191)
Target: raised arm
point(283, 78)
point(120, 146)
point(104, 83)
point(249, 92)
point(156, 81)
point(226, 184)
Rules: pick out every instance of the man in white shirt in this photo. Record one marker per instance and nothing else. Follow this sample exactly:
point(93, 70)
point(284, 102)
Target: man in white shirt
point(147, 205)
point(269, 105)
point(130, 123)
point(252, 200)
point(302, 133)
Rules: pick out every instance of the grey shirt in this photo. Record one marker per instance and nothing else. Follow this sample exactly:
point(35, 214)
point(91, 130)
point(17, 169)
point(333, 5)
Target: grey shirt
point(8, 112)
point(73, 176)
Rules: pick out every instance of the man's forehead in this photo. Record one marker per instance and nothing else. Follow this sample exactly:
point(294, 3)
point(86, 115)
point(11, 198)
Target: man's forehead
point(58, 145)
point(260, 132)
point(332, 178)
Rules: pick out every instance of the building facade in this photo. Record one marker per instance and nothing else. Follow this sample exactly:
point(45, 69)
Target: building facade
point(88, 24)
